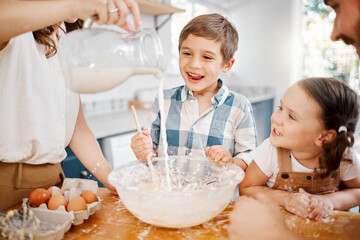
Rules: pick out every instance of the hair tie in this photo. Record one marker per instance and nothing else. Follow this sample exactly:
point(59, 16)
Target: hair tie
point(342, 129)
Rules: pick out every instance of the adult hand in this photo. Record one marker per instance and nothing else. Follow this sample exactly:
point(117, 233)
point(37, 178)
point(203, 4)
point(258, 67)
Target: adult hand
point(257, 219)
point(107, 11)
point(298, 203)
point(142, 144)
point(111, 188)
point(320, 207)
point(219, 153)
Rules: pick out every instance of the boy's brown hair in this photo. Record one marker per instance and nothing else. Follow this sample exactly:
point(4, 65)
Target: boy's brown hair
point(214, 27)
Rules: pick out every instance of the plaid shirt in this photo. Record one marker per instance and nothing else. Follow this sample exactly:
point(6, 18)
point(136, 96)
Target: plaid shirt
point(229, 122)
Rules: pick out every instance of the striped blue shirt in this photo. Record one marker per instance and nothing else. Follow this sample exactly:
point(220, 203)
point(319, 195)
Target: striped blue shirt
point(228, 122)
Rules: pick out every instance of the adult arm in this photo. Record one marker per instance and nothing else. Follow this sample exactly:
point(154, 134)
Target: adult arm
point(17, 17)
point(85, 146)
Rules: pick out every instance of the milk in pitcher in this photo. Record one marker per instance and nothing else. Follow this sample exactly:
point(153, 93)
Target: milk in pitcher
point(93, 80)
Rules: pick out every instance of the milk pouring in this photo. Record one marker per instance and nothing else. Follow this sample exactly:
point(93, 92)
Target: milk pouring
point(98, 59)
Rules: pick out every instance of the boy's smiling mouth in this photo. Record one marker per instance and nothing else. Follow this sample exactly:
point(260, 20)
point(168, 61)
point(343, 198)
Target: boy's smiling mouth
point(194, 77)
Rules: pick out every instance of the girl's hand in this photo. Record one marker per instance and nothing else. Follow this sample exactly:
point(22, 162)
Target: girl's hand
point(219, 153)
point(320, 207)
point(142, 144)
point(105, 11)
point(298, 203)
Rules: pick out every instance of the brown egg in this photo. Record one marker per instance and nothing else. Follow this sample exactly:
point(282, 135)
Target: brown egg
point(76, 204)
point(56, 201)
point(89, 196)
point(55, 190)
point(38, 196)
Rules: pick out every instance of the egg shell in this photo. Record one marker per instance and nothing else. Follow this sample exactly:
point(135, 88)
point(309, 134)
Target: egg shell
point(55, 190)
point(89, 196)
point(38, 196)
point(77, 204)
point(56, 201)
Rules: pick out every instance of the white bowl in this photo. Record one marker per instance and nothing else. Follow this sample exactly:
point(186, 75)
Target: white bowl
point(200, 190)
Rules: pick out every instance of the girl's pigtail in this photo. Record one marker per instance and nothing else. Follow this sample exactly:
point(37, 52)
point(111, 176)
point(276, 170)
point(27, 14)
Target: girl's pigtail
point(333, 153)
point(340, 112)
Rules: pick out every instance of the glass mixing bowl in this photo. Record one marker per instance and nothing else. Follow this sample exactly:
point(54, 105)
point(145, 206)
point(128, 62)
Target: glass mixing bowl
point(200, 190)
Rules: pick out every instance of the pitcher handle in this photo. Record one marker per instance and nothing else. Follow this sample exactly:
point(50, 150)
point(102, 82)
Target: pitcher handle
point(88, 23)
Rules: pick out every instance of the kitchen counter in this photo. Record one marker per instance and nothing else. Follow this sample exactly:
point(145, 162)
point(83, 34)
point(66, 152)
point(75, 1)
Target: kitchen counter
point(114, 221)
point(106, 125)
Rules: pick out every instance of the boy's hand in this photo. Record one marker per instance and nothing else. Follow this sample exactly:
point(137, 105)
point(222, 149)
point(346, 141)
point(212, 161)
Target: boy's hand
point(320, 207)
point(219, 153)
point(141, 144)
point(298, 203)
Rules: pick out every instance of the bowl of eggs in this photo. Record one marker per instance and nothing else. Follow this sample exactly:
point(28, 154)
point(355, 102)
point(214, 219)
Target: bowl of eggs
point(187, 191)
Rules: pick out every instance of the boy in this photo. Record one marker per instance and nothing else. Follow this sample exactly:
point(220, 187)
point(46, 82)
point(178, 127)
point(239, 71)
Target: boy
point(203, 113)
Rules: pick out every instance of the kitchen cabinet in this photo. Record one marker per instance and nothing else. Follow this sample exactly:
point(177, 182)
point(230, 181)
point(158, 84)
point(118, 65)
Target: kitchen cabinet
point(262, 114)
point(262, 102)
point(117, 150)
point(73, 168)
point(156, 9)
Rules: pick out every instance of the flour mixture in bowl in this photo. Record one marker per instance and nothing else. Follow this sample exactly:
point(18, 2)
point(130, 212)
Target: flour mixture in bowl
point(199, 189)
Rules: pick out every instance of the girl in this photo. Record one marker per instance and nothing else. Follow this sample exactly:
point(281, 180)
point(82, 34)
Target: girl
point(39, 116)
point(308, 153)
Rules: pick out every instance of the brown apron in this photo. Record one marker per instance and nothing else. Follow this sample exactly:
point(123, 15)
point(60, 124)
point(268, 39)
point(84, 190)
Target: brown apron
point(18, 180)
point(291, 181)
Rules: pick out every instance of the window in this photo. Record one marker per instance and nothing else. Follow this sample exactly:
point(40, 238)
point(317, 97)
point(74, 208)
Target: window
point(179, 20)
point(323, 57)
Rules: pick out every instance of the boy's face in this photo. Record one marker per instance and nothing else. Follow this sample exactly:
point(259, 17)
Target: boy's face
point(201, 63)
point(347, 22)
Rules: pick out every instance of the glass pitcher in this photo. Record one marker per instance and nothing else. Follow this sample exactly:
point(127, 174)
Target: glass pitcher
point(98, 59)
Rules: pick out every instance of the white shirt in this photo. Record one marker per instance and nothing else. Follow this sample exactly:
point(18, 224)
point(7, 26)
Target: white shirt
point(265, 156)
point(38, 113)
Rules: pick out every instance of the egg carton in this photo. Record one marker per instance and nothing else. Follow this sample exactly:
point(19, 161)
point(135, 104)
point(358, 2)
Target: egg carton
point(71, 188)
point(62, 219)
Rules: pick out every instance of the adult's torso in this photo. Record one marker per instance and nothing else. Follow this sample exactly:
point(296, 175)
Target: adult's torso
point(37, 112)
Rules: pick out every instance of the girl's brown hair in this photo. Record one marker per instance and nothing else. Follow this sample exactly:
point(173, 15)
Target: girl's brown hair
point(44, 36)
point(340, 107)
point(215, 27)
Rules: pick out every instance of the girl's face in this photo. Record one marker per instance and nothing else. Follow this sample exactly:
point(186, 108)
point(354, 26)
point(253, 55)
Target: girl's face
point(297, 123)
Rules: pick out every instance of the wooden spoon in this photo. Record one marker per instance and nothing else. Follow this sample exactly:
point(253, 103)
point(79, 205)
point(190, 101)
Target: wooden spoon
point(148, 157)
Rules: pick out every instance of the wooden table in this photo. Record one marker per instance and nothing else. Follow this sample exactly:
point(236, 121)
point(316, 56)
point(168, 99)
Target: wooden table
point(114, 221)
